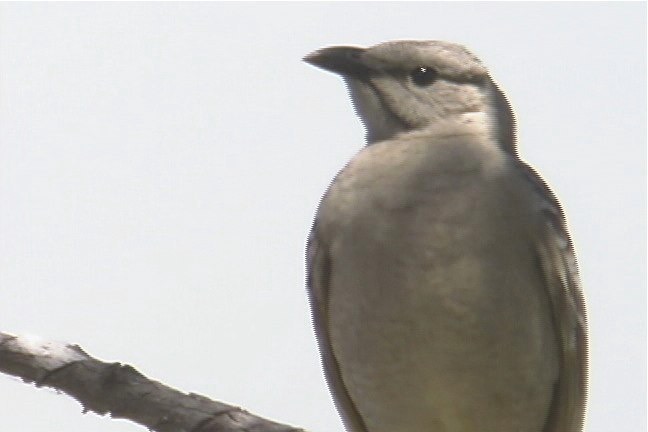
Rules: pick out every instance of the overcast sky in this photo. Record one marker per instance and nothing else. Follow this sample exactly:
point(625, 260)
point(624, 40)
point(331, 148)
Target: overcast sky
point(160, 164)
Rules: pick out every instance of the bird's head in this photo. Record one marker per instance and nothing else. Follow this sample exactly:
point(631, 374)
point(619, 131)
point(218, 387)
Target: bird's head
point(404, 86)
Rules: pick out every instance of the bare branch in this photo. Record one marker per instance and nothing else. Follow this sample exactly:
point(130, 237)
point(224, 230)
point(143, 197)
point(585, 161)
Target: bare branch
point(121, 391)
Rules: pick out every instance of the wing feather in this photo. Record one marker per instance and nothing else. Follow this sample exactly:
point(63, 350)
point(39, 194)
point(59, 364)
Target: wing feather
point(318, 264)
point(558, 265)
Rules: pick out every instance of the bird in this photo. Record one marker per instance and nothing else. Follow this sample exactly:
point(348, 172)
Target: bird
point(441, 276)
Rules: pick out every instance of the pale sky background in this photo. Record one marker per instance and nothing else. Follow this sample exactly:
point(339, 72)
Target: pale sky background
point(160, 165)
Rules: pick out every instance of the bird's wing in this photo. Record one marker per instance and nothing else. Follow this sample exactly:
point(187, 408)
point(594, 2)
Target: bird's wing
point(318, 264)
point(558, 265)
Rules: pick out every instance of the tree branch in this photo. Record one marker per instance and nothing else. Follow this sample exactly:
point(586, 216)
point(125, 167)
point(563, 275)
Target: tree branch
point(121, 391)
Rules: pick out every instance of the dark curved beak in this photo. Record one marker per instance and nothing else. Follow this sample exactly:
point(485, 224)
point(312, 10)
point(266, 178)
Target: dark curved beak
point(343, 60)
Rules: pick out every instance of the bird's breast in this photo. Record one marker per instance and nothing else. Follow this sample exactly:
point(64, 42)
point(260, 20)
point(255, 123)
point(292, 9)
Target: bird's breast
point(417, 240)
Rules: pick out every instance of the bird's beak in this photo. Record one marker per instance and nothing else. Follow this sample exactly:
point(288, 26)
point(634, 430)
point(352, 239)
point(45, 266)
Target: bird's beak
point(343, 60)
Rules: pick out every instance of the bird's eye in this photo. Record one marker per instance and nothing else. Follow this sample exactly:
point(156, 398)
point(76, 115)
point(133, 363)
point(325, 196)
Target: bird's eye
point(423, 76)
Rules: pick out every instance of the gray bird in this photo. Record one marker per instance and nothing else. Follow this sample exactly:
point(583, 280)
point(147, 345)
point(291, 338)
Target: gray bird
point(442, 280)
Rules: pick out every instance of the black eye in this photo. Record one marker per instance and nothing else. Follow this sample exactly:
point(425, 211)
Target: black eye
point(423, 76)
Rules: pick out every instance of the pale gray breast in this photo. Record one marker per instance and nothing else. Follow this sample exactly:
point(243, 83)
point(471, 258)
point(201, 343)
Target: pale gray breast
point(429, 227)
